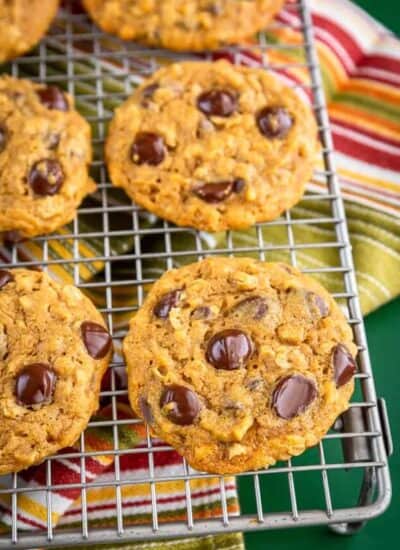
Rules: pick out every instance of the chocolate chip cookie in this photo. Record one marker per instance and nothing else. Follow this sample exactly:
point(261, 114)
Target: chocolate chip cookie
point(22, 24)
point(45, 152)
point(54, 349)
point(238, 363)
point(213, 146)
point(183, 24)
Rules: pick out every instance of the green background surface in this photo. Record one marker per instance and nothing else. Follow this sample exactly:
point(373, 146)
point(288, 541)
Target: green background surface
point(383, 330)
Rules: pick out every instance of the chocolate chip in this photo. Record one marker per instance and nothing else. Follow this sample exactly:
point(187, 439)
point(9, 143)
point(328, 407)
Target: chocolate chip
point(148, 148)
point(35, 385)
point(217, 103)
point(238, 185)
point(253, 307)
point(5, 277)
point(229, 349)
point(166, 303)
point(274, 122)
point(214, 192)
point(146, 411)
point(53, 98)
point(46, 177)
point(181, 404)
point(3, 138)
point(344, 365)
point(96, 339)
point(293, 395)
point(217, 192)
point(201, 313)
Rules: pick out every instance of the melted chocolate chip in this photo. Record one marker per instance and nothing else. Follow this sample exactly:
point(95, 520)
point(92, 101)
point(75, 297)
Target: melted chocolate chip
point(3, 138)
point(217, 192)
point(5, 277)
point(35, 385)
point(314, 306)
point(229, 349)
point(318, 304)
point(53, 98)
point(253, 307)
point(293, 395)
point(166, 303)
point(148, 148)
point(274, 122)
point(146, 411)
point(181, 404)
point(46, 177)
point(201, 313)
point(96, 339)
point(216, 102)
point(344, 365)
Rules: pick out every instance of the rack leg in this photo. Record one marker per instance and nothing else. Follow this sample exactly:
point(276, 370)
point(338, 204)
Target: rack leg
point(366, 497)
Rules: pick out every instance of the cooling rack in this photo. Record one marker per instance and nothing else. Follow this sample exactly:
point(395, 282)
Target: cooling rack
point(100, 71)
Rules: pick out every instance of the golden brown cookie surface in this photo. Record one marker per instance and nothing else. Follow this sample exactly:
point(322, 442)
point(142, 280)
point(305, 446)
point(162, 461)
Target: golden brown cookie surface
point(238, 363)
point(45, 152)
point(212, 146)
point(22, 24)
point(54, 349)
point(183, 24)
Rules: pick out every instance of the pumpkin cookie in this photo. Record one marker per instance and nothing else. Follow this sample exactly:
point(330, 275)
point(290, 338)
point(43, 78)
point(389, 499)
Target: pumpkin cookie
point(213, 146)
point(22, 24)
point(54, 349)
point(45, 152)
point(183, 24)
point(238, 363)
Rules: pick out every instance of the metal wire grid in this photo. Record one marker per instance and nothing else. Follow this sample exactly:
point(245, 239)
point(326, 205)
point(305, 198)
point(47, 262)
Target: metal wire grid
point(361, 434)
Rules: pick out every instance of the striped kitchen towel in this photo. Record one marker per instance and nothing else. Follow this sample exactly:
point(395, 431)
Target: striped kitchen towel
point(65, 500)
point(360, 62)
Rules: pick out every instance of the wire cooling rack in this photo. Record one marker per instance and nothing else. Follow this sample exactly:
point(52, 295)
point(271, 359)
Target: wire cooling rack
point(101, 71)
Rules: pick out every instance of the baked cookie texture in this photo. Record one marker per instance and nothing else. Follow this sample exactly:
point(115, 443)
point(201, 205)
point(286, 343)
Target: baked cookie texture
point(22, 25)
point(183, 24)
point(213, 146)
point(54, 349)
point(238, 363)
point(45, 152)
